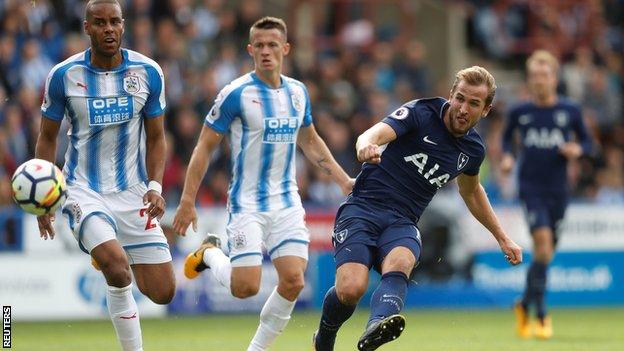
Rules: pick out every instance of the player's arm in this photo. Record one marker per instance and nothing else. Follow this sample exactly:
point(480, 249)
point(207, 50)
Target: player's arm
point(46, 141)
point(508, 160)
point(209, 139)
point(46, 150)
point(477, 202)
point(315, 149)
point(583, 144)
point(156, 149)
point(367, 145)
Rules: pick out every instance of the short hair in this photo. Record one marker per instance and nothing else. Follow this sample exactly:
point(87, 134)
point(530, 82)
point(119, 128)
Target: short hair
point(543, 57)
point(477, 75)
point(269, 22)
point(92, 3)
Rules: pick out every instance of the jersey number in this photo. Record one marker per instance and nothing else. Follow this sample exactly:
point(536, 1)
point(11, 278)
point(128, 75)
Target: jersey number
point(149, 225)
point(420, 161)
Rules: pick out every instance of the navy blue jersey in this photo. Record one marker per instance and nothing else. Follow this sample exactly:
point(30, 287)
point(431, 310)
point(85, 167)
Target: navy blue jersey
point(541, 131)
point(422, 159)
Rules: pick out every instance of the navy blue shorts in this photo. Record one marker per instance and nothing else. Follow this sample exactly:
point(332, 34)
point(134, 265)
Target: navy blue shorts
point(366, 232)
point(545, 211)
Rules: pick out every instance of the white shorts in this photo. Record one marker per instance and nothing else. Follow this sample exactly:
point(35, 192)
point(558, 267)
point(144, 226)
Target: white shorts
point(282, 233)
point(96, 218)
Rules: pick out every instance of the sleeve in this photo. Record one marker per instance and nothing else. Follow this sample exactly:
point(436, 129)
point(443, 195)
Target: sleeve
point(508, 133)
point(403, 119)
point(53, 105)
point(581, 132)
point(155, 104)
point(225, 109)
point(307, 117)
point(473, 167)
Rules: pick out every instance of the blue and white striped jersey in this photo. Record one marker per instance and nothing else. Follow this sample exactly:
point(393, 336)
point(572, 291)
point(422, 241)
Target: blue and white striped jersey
point(106, 110)
point(262, 123)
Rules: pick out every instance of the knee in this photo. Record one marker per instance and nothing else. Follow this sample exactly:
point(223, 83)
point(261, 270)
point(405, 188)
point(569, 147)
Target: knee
point(350, 292)
point(116, 270)
point(160, 296)
point(244, 290)
point(400, 263)
point(543, 256)
point(292, 284)
point(543, 253)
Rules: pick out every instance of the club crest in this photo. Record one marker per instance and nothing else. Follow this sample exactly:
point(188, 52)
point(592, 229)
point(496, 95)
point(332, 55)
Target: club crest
point(561, 118)
point(131, 84)
point(341, 235)
point(239, 240)
point(462, 160)
point(296, 102)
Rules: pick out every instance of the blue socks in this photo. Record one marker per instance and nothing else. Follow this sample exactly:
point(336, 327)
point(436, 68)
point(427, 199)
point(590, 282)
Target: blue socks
point(334, 314)
point(536, 288)
point(388, 298)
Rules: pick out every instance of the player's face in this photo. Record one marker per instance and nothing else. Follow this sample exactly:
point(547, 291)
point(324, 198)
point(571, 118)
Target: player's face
point(467, 107)
point(542, 80)
point(105, 26)
point(268, 48)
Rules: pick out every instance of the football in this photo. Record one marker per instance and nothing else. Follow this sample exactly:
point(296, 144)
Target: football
point(38, 187)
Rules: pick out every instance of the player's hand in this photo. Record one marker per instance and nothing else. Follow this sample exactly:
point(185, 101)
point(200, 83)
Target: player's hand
point(46, 227)
point(571, 150)
point(185, 215)
point(369, 153)
point(513, 252)
point(348, 186)
point(156, 208)
point(506, 164)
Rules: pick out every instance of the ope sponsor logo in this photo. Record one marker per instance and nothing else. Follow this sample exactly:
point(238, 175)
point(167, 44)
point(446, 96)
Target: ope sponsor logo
point(6, 327)
point(280, 129)
point(109, 102)
point(281, 123)
point(111, 110)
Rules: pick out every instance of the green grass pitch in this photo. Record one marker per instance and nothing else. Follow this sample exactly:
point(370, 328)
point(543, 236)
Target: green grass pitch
point(575, 329)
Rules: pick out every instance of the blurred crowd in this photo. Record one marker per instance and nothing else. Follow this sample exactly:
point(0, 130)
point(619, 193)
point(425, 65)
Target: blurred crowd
point(354, 78)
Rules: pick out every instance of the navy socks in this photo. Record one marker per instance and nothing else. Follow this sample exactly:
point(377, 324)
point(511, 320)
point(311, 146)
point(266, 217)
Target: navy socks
point(536, 288)
point(335, 313)
point(388, 298)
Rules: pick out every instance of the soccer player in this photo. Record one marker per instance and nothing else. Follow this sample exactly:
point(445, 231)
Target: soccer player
point(408, 156)
point(265, 114)
point(114, 100)
point(546, 126)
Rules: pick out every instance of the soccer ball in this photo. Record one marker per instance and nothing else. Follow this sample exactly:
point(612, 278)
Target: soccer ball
point(38, 187)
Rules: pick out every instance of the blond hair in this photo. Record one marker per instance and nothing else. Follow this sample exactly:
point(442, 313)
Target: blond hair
point(543, 57)
point(477, 75)
point(269, 22)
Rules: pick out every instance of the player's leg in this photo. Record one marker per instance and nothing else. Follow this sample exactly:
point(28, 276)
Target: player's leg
point(113, 263)
point(543, 250)
point(242, 270)
point(95, 229)
point(340, 301)
point(144, 242)
point(287, 245)
point(545, 241)
point(388, 298)
point(278, 307)
point(156, 281)
point(354, 240)
point(399, 251)
point(536, 215)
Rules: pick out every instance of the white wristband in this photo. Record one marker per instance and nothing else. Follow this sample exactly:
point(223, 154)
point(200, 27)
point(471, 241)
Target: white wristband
point(154, 185)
